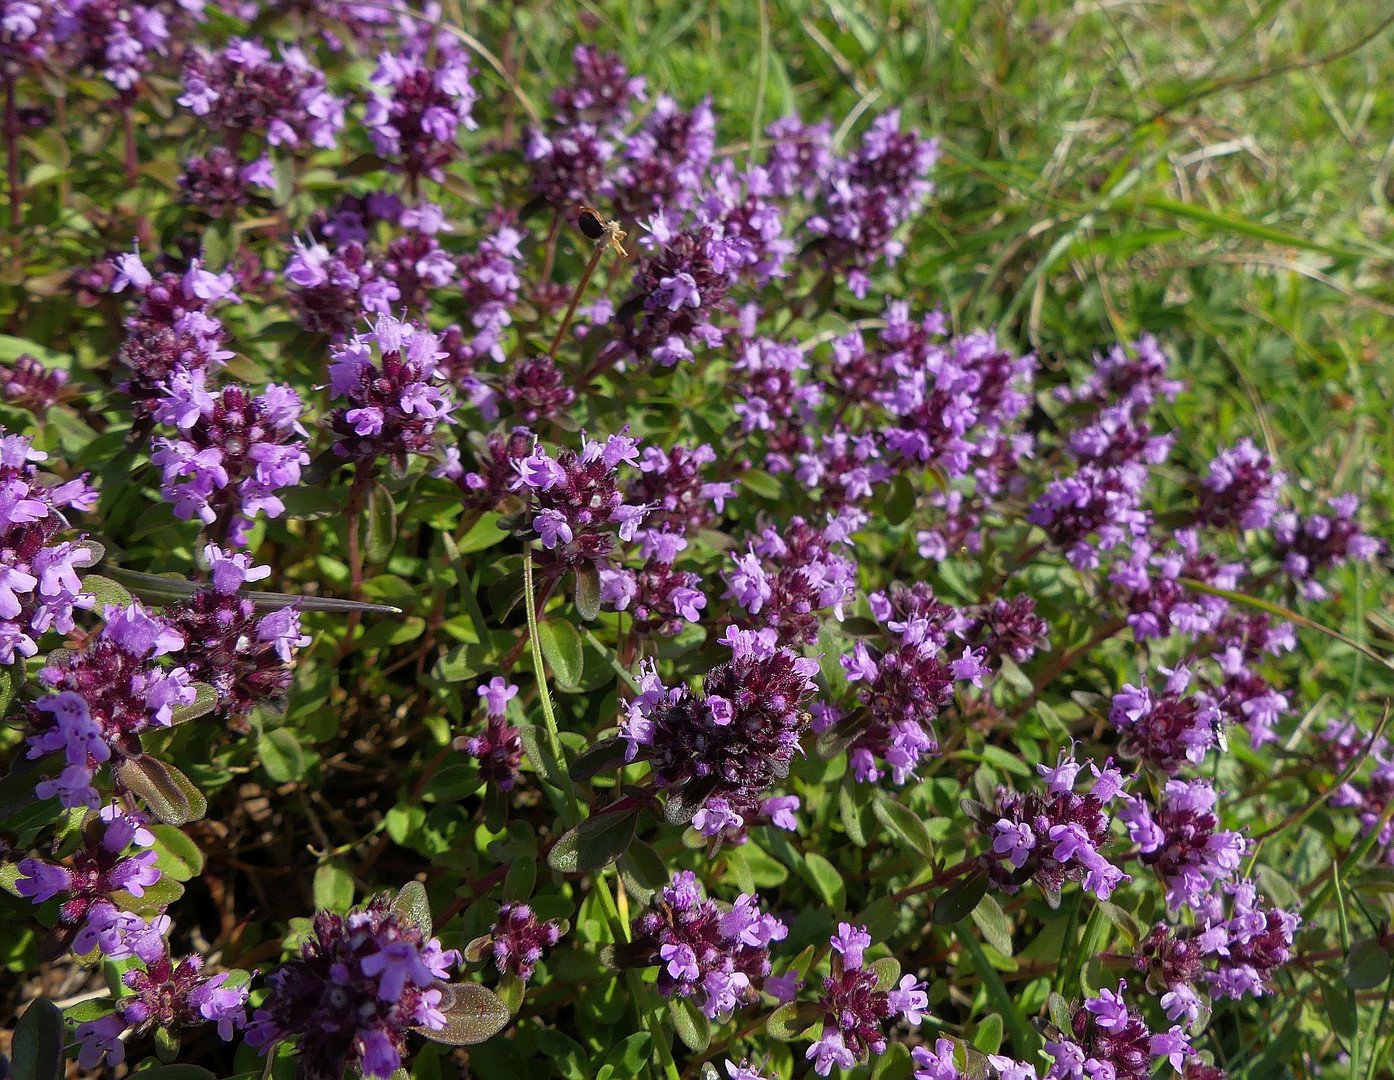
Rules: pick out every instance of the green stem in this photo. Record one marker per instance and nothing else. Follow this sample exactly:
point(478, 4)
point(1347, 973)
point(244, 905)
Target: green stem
point(572, 811)
point(640, 995)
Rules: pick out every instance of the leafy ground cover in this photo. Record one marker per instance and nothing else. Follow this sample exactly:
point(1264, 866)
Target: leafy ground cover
point(896, 588)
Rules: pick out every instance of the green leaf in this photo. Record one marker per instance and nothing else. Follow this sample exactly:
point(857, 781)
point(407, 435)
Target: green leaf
point(691, 1024)
point(960, 899)
point(905, 823)
point(510, 991)
point(37, 1050)
point(760, 483)
point(282, 756)
point(106, 591)
point(599, 757)
point(472, 1014)
point(1025, 1041)
point(519, 881)
point(595, 842)
point(631, 1054)
point(8, 685)
point(382, 524)
point(205, 701)
point(333, 886)
point(179, 856)
point(455, 782)
point(791, 1020)
point(561, 645)
point(887, 971)
point(1340, 1009)
point(826, 880)
point(899, 502)
point(1367, 965)
point(851, 813)
point(995, 926)
point(987, 1037)
point(588, 592)
point(412, 905)
point(171, 796)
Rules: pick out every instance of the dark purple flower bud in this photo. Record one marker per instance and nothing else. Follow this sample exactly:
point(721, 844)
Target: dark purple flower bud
point(29, 384)
point(519, 938)
point(737, 738)
point(362, 982)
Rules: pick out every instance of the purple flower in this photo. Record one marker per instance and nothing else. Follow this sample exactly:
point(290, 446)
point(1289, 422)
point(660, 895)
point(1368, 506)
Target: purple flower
point(1107, 1038)
point(789, 574)
point(415, 118)
point(1057, 836)
point(1241, 488)
point(702, 953)
point(742, 751)
point(854, 1009)
point(496, 694)
point(1168, 728)
point(400, 393)
point(1181, 841)
point(866, 197)
point(1306, 546)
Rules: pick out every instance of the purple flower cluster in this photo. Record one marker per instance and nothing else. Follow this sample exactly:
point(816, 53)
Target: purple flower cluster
point(415, 119)
point(102, 698)
point(866, 197)
point(30, 384)
point(165, 995)
point(905, 685)
point(856, 1005)
point(334, 289)
point(577, 503)
point(499, 747)
point(390, 379)
point(1108, 1037)
point(39, 585)
point(1180, 839)
point(1232, 953)
point(1307, 545)
point(662, 165)
point(788, 575)
point(733, 741)
point(519, 938)
point(775, 395)
point(702, 950)
point(1369, 795)
point(1055, 836)
point(231, 451)
point(240, 91)
point(97, 886)
point(1241, 488)
point(119, 38)
point(677, 291)
point(172, 339)
point(570, 157)
point(244, 657)
point(362, 982)
point(1165, 729)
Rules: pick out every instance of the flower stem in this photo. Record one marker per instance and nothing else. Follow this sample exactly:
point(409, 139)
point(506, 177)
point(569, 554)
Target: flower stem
point(576, 299)
point(12, 157)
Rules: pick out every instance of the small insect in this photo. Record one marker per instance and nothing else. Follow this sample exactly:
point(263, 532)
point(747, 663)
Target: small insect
point(594, 226)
